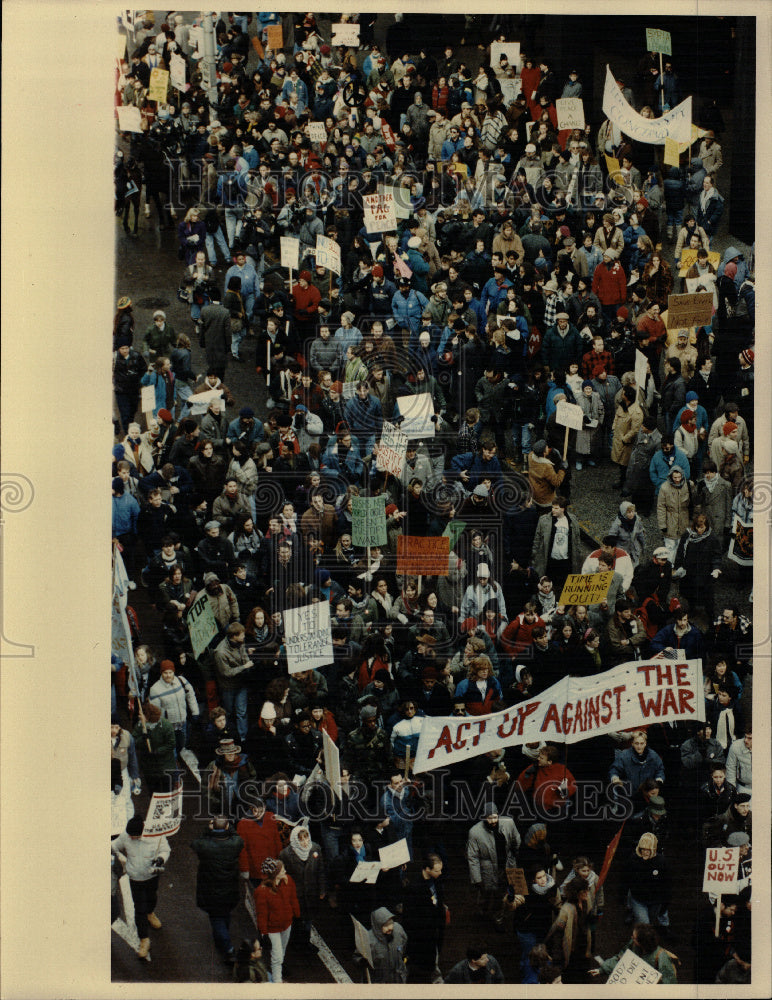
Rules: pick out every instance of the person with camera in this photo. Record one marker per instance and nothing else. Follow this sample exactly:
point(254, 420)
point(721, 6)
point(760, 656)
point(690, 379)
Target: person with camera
point(144, 860)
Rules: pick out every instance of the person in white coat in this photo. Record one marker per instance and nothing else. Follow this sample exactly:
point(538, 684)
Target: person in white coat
point(144, 859)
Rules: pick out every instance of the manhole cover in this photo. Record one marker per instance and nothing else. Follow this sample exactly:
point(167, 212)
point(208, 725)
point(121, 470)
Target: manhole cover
point(152, 303)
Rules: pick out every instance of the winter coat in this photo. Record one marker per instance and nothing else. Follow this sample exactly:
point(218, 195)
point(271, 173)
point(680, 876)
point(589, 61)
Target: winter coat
point(462, 973)
point(674, 508)
point(626, 427)
point(560, 351)
point(218, 887)
point(592, 407)
point(659, 468)
point(609, 283)
point(542, 543)
point(544, 479)
point(630, 537)
point(408, 309)
point(484, 866)
point(699, 555)
point(636, 768)
point(388, 953)
point(738, 766)
point(309, 876)
point(717, 504)
point(276, 906)
point(127, 372)
point(140, 855)
point(637, 479)
point(159, 759)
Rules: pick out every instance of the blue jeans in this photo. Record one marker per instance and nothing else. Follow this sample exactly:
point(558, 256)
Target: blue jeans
point(279, 941)
point(675, 218)
point(527, 971)
point(236, 337)
point(219, 238)
point(235, 704)
point(221, 931)
point(654, 913)
point(233, 223)
point(522, 438)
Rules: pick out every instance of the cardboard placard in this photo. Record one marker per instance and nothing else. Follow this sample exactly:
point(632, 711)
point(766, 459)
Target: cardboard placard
point(422, 556)
point(331, 757)
point(672, 153)
point(307, 637)
point(403, 208)
point(362, 941)
point(328, 254)
point(201, 623)
point(290, 252)
point(368, 521)
point(380, 212)
point(570, 112)
point(614, 169)
point(147, 399)
point(164, 814)
point(632, 970)
point(689, 310)
point(509, 49)
point(722, 866)
point(129, 119)
point(516, 878)
point(569, 415)
point(586, 588)
point(159, 85)
point(391, 449)
point(658, 40)
point(344, 33)
point(641, 369)
point(274, 38)
point(177, 71)
point(366, 871)
point(316, 132)
point(394, 855)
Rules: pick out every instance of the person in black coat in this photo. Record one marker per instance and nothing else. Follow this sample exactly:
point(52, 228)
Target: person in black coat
point(424, 917)
point(218, 888)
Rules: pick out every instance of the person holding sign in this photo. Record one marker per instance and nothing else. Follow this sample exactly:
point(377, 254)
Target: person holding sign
point(645, 944)
point(144, 859)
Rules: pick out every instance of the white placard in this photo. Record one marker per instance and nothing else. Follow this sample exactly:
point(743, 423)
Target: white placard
point(199, 402)
point(196, 37)
point(722, 866)
point(391, 449)
point(394, 855)
point(290, 252)
point(147, 405)
point(164, 814)
point(366, 871)
point(418, 412)
point(331, 763)
point(344, 33)
point(403, 208)
point(569, 415)
point(641, 369)
point(328, 254)
point(307, 637)
point(509, 49)
point(632, 969)
point(380, 213)
point(129, 119)
point(570, 112)
point(510, 88)
point(177, 71)
point(316, 132)
point(362, 941)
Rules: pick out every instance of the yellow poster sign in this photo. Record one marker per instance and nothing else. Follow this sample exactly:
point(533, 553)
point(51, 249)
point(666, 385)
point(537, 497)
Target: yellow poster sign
point(586, 588)
point(159, 85)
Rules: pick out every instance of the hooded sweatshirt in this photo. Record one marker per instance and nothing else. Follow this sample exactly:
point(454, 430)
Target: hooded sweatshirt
point(388, 952)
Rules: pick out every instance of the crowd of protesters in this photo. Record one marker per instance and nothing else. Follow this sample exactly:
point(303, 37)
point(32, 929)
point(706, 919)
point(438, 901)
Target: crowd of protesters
point(520, 275)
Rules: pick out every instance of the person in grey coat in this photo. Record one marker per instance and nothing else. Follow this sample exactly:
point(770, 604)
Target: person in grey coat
point(543, 555)
point(387, 947)
point(491, 848)
point(304, 861)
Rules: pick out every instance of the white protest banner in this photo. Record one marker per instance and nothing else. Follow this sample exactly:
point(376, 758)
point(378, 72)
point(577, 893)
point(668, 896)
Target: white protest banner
point(380, 213)
point(331, 756)
point(164, 814)
point(570, 112)
point(722, 866)
point(575, 709)
point(394, 855)
point(316, 132)
point(307, 637)
point(632, 970)
point(147, 404)
point(159, 85)
point(569, 415)
point(641, 368)
point(200, 401)
point(658, 40)
point(509, 49)
point(391, 449)
point(201, 623)
point(129, 119)
point(327, 253)
point(290, 252)
point(362, 941)
point(402, 206)
point(675, 124)
point(177, 70)
point(345, 34)
point(689, 310)
point(418, 412)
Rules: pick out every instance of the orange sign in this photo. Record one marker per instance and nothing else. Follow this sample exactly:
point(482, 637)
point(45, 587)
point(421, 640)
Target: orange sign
point(419, 556)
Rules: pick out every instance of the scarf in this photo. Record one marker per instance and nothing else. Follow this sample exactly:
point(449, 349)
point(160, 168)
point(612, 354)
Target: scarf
point(302, 852)
point(711, 484)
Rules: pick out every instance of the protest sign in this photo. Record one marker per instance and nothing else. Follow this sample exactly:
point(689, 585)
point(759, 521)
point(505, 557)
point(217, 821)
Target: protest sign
point(689, 259)
point(200, 401)
point(689, 310)
point(274, 37)
point(672, 153)
point(159, 85)
point(380, 213)
point(722, 865)
point(632, 970)
point(327, 253)
point(391, 449)
point(641, 368)
point(345, 34)
point(368, 521)
point(510, 88)
point(331, 756)
point(629, 695)
point(516, 878)
point(509, 49)
point(177, 70)
point(164, 814)
point(423, 556)
point(614, 169)
point(366, 871)
point(586, 588)
point(570, 112)
point(196, 37)
point(290, 252)
point(317, 132)
point(401, 268)
point(676, 124)
point(418, 412)
point(147, 404)
point(403, 208)
point(129, 119)
point(362, 941)
point(307, 637)
point(569, 415)
point(201, 623)
point(658, 40)
point(741, 546)
point(394, 855)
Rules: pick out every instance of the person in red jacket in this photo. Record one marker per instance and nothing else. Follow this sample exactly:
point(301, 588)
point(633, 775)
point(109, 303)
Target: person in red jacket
point(548, 783)
point(260, 834)
point(610, 285)
point(276, 905)
point(306, 298)
point(517, 635)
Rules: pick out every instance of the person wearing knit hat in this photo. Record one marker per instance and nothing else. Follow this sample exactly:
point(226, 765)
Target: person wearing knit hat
point(276, 905)
point(156, 748)
point(175, 696)
point(144, 859)
point(377, 271)
point(747, 357)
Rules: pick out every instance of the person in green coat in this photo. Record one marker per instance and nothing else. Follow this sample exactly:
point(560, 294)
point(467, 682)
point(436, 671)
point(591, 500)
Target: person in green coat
point(218, 887)
point(155, 749)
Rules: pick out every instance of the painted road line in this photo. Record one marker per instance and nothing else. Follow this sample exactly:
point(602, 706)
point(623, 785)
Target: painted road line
point(333, 966)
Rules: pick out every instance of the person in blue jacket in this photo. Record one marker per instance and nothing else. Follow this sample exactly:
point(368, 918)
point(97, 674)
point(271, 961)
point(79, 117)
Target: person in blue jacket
point(663, 460)
point(680, 639)
point(407, 306)
point(637, 764)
